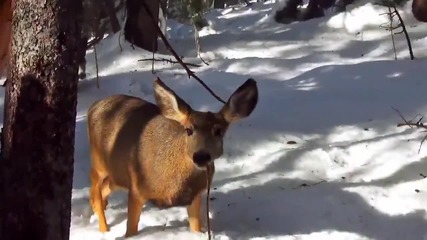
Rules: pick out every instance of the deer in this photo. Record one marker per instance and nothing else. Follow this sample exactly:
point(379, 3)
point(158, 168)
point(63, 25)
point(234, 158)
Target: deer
point(161, 152)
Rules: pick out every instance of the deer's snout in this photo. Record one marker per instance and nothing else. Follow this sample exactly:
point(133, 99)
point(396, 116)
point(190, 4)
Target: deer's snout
point(202, 158)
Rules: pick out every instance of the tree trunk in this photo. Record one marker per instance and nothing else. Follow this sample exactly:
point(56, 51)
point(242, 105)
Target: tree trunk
point(219, 3)
point(419, 10)
point(112, 15)
point(341, 5)
point(36, 164)
point(5, 20)
point(289, 12)
point(313, 10)
point(139, 28)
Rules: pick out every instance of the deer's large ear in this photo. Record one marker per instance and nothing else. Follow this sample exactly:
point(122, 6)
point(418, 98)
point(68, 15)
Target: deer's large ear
point(242, 102)
point(171, 106)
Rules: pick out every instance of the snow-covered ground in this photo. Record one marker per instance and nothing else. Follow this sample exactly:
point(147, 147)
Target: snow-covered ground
point(328, 84)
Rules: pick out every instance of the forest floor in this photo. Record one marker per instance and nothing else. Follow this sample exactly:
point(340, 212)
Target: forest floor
point(328, 84)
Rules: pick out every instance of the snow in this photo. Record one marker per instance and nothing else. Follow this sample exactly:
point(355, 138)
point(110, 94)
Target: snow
point(329, 84)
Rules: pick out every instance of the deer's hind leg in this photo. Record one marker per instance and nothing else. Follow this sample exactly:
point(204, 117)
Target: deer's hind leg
point(96, 199)
point(106, 189)
point(99, 190)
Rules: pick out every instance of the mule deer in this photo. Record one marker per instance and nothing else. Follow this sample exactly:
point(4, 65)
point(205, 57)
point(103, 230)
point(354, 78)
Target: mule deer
point(159, 153)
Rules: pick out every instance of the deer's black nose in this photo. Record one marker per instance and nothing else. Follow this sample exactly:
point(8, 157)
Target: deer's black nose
point(201, 158)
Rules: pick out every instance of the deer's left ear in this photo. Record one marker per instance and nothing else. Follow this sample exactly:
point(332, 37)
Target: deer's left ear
point(242, 102)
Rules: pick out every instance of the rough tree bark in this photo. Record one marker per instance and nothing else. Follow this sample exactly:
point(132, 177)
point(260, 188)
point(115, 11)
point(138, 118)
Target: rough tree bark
point(109, 8)
point(222, 3)
point(219, 3)
point(419, 10)
point(341, 5)
point(5, 20)
point(315, 8)
point(289, 12)
point(36, 163)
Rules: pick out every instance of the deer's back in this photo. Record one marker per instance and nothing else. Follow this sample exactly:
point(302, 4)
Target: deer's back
point(116, 126)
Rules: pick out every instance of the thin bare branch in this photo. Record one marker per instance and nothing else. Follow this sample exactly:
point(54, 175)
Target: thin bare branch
point(421, 144)
point(407, 123)
point(399, 25)
point(120, 44)
point(408, 40)
point(411, 124)
point(392, 12)
point(169, 47)
point(309, 185)
point(96, 66)
point(152, 59)
point(94, 41)
point(391, 32)
point(168, 61)
point(197, 41)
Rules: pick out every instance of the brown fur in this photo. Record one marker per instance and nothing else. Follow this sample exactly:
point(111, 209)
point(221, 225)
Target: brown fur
point(146, 149)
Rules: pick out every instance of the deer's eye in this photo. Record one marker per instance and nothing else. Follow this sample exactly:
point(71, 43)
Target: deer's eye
point(189, 131)
point(217, 131)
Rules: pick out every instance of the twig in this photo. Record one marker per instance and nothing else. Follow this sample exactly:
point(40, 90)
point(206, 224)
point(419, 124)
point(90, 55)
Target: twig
point(406, 122)
point(408, 40)
point(208, 173)
point(168, 61)
point(309, 185)
point(122, 4)
point(197, 41)
point(391, 31)
point(120, 44)
point(169, 47)
point(421, 143)
point(152, 62)
point(411, 124)
point(94, 41)
point(96, 66)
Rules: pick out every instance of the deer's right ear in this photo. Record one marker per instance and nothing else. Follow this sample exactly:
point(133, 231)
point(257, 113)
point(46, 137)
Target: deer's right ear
point(171, 106)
